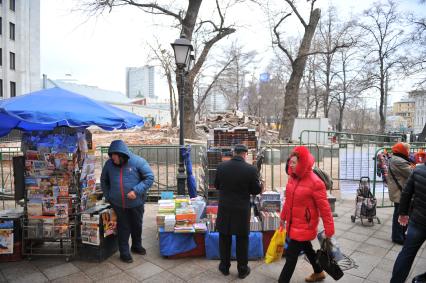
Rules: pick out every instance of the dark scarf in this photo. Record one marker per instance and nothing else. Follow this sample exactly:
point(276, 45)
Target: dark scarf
point(403, 157)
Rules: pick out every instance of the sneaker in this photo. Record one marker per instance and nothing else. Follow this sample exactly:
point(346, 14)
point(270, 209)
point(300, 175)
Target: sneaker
point(245, 274)
point(140, 250)
point(126, 259)
point(315, 277)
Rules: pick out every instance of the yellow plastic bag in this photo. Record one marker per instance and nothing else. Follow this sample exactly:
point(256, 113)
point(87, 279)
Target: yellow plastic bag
point(276, 246)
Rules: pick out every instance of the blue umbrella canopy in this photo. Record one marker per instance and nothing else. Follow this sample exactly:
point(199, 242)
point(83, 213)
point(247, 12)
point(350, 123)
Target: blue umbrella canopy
point(56, 107)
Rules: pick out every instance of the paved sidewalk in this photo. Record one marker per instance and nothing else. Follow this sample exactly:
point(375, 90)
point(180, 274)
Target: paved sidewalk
point(370, 247)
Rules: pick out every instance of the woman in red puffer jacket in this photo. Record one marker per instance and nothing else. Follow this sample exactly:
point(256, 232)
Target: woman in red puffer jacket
point(305, 201)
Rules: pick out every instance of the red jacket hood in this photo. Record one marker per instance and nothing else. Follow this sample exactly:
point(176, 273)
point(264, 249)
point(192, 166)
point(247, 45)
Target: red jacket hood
point(305, 162)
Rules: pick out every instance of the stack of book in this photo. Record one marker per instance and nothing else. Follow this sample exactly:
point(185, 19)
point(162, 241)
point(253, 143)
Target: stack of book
point(255, 224)
point(270, 201)
point(166, 212)
point(182, 201)
point(166, 206)
point(184, 227)
point(270, 220)
point(200, 227)
point(186, 214)
point(169, 223)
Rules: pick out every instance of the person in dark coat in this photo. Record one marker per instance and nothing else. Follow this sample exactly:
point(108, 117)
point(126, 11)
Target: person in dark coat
point(400, 168)
point(414, 192)
point(236, 180)
point(125, 181)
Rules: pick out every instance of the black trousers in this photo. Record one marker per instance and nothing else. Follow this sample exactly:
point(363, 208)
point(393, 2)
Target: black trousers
point(291, 255)
point(129, 223)
point(225, 243)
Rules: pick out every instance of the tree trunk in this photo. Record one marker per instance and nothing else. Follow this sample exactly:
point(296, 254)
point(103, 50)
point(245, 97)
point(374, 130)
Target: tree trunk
point(382, 98)
point(173, 117)
point(189, 110)
point(327, 87)
point(291, 102)
point(340, 122)
point(188, 25)
point(315, 114)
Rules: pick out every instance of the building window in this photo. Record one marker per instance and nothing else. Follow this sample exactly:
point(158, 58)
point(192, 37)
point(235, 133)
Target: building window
point(12, 60)
point(12, 5)
point(12, 31)
point(1, 57)
point(12, 89)
point(1, 25)
point(1, 88)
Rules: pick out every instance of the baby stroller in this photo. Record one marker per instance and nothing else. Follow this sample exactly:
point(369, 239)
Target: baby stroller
point(365, 203)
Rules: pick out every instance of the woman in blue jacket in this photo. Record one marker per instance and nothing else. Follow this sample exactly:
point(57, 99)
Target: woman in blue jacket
point(125, 180)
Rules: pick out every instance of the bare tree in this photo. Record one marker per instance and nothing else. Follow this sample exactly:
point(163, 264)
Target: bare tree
point(232, 82)
point(331, 36)
point(350, 83)
point(166, 62)
point(310, 89)
point(383, 44)
point(290, 111)
point(213, 83)
point(419, 40)
point(186, 21)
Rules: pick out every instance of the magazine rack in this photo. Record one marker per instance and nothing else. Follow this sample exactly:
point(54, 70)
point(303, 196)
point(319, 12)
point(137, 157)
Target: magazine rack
point(53, 162)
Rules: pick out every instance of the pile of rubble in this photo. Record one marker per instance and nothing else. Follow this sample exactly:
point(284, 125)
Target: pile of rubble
point(237, 119)
point(147, 136)
point(228, 120)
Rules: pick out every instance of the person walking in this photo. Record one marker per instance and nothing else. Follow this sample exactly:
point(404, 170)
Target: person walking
point(414, 192)
point(400, 168)
point(305, 201)
point(125, 181)
point(236, 181)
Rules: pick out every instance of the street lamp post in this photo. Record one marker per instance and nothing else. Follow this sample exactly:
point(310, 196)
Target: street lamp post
point(182, 48)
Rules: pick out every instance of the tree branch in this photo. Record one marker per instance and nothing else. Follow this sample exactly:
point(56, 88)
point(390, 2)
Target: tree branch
point(216, 77)
point(332, 51)
point(152, 8)
point(278, 42)
point(208, 45)
point(289, 2)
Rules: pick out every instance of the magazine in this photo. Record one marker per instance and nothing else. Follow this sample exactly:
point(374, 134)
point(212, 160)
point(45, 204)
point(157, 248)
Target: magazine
point(34, 208)
point(61, 228)
point(90, 229)
point(61, 210)
point(49, 206)
point(6, 241)
point(109, 221)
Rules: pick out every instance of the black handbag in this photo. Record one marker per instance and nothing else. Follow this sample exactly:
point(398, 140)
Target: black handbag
point(327, 262)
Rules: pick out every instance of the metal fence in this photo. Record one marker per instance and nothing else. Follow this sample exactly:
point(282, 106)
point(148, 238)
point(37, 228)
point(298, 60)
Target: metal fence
point(6, 173)
point(379, 187)
point(345, 160)
point(164, 161)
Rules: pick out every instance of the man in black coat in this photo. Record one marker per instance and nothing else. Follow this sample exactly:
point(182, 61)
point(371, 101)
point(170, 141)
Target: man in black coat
point(236, 180)
point(416, 233)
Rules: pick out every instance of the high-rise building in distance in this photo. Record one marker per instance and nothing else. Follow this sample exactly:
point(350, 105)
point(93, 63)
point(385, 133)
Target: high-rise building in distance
point(19, 47)
point(140, 82)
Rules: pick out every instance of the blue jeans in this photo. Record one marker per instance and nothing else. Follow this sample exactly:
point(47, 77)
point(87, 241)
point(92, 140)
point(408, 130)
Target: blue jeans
point(398, 231)
point(416, 236)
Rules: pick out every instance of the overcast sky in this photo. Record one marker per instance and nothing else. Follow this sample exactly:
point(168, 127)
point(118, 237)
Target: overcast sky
point(96, 51)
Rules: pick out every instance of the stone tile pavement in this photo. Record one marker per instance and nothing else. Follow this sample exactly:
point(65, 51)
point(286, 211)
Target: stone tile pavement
point(370, 247)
